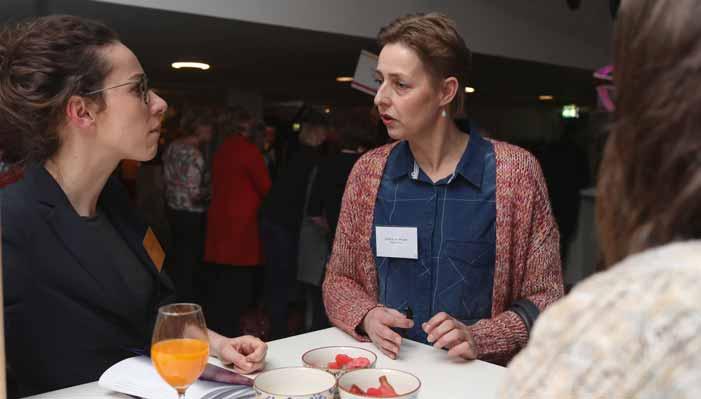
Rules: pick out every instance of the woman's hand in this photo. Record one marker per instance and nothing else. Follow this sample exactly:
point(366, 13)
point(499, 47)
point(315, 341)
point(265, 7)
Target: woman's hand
point(246, 353)
point(378, 324)
point(444, 331)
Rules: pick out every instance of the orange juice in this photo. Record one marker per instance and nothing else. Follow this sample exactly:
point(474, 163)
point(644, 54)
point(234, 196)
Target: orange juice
point(180, 361)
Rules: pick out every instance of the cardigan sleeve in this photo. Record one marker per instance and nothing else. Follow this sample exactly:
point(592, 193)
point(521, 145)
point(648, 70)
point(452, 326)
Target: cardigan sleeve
point(347, 291)
point(536, 276)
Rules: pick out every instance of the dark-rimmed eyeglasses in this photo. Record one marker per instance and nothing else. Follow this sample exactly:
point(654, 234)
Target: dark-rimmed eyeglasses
point(142, 83)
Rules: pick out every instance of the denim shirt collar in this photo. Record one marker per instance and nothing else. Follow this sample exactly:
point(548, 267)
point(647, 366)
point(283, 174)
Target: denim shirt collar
point(471, 165)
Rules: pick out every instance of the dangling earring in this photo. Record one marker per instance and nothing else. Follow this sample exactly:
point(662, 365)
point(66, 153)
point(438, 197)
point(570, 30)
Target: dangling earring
point(443, 113)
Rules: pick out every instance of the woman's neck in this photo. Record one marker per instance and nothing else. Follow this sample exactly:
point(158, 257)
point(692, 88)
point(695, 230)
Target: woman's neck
point(81, 177)
point(438, 152)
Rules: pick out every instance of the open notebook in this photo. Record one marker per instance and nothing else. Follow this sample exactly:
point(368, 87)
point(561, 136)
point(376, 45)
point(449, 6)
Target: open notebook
point(136, 376)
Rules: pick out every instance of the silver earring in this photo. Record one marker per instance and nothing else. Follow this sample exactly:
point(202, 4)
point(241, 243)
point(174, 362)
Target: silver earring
point(443, 113)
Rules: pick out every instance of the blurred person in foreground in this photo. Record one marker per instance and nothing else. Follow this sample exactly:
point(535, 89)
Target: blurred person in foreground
point(632, 331)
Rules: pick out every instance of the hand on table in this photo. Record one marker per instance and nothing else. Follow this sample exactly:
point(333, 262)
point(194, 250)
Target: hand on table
point(246, 353)
point(378, 324)
point(444, 331)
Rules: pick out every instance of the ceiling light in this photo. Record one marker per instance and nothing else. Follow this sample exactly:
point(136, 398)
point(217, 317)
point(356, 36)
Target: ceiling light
point(545, 98)
point(344, 79)
point(469, 89)
point(195, 65)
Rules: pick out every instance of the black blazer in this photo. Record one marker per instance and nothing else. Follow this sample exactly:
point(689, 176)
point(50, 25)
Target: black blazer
point(69, 314)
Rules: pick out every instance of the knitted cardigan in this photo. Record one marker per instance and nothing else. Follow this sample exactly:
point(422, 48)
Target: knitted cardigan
point(527, 263)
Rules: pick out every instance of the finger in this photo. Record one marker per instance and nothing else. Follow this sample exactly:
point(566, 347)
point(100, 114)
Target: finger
point(246, 344)
point(380, 344)
point(389, 335)
point(450, 339)
point(245, 370)
point(230, 355)
point(388, 348)
point(438, 331)
point(397, 319)
point(437, 319)
point(258, 354)
point(386, 345)
point(257, 366)
point(463, 350)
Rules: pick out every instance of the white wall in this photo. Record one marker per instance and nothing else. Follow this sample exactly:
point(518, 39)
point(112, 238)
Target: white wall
point(536, 30)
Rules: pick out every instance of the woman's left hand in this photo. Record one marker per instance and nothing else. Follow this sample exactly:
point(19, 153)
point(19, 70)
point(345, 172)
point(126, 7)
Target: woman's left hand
point(246, 353)
point(444, 331)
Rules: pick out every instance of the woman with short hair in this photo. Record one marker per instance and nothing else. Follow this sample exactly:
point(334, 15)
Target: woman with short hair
point(444, 226)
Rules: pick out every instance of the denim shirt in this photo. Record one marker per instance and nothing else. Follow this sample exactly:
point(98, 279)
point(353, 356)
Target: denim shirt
point(456, 225)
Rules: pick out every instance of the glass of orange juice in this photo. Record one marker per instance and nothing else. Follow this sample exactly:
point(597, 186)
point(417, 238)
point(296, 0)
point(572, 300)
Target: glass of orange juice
point(180, 347)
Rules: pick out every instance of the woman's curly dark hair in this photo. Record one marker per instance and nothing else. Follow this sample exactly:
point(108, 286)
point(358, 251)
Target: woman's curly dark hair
point(43, 62)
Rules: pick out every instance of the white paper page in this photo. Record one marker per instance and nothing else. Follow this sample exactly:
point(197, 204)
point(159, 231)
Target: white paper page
point(136, 376)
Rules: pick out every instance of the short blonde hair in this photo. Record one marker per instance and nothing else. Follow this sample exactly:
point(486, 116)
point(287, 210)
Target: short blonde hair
point(435, 39)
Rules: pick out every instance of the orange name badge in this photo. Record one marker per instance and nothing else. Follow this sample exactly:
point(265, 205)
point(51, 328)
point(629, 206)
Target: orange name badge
point(154, 249)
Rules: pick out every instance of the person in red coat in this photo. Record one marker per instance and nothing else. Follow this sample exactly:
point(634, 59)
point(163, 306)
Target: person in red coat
point(233, 252)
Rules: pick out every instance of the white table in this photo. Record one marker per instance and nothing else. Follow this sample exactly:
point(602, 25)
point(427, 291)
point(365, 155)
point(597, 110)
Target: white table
point(440, 376)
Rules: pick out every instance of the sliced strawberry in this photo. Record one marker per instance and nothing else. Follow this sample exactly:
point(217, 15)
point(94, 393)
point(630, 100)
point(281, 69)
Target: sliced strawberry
point(386, 387)
point(354, 389)
point(342, 359)
point(359, 363)
point(376, 392)
point(333, 365)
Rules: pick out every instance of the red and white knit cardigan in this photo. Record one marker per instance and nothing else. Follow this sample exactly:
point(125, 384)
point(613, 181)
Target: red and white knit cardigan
point(527, 263)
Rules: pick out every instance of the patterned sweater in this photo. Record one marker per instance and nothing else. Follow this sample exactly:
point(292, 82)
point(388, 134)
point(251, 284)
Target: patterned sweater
point(631, 332)
point(527, 263)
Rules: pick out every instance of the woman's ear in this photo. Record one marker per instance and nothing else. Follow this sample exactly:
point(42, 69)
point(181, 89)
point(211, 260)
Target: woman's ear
point(449, 89)
point(79, 113)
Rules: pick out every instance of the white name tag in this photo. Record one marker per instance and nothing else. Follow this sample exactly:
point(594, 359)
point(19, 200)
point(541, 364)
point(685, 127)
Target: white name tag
point(396, 242)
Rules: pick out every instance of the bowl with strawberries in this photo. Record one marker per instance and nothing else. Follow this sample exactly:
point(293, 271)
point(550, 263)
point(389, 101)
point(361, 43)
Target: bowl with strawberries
point(338, 360)
point(378, 383)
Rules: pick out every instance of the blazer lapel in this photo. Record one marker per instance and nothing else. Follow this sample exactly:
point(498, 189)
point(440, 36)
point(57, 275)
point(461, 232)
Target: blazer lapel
point(115, 203)
point(72, 233)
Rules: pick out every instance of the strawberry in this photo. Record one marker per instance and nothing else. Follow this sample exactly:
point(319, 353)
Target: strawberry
point(342, 359)
point(376, 392)
point(359, 363)
point(333, 365)
point(386, 388)
point(354, 389)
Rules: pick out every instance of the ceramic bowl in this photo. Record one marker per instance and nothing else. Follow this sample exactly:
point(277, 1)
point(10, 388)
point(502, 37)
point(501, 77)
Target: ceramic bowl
point(320, 357)
point(405, 384)
point(295, 383)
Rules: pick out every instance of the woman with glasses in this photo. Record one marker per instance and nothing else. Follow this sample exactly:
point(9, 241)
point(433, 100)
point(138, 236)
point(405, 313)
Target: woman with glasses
point(82, 272)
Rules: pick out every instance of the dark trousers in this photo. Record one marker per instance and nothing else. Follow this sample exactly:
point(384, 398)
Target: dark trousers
point(228, 290)
point(186, 252)
point(280, 249)
point(317, 310)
